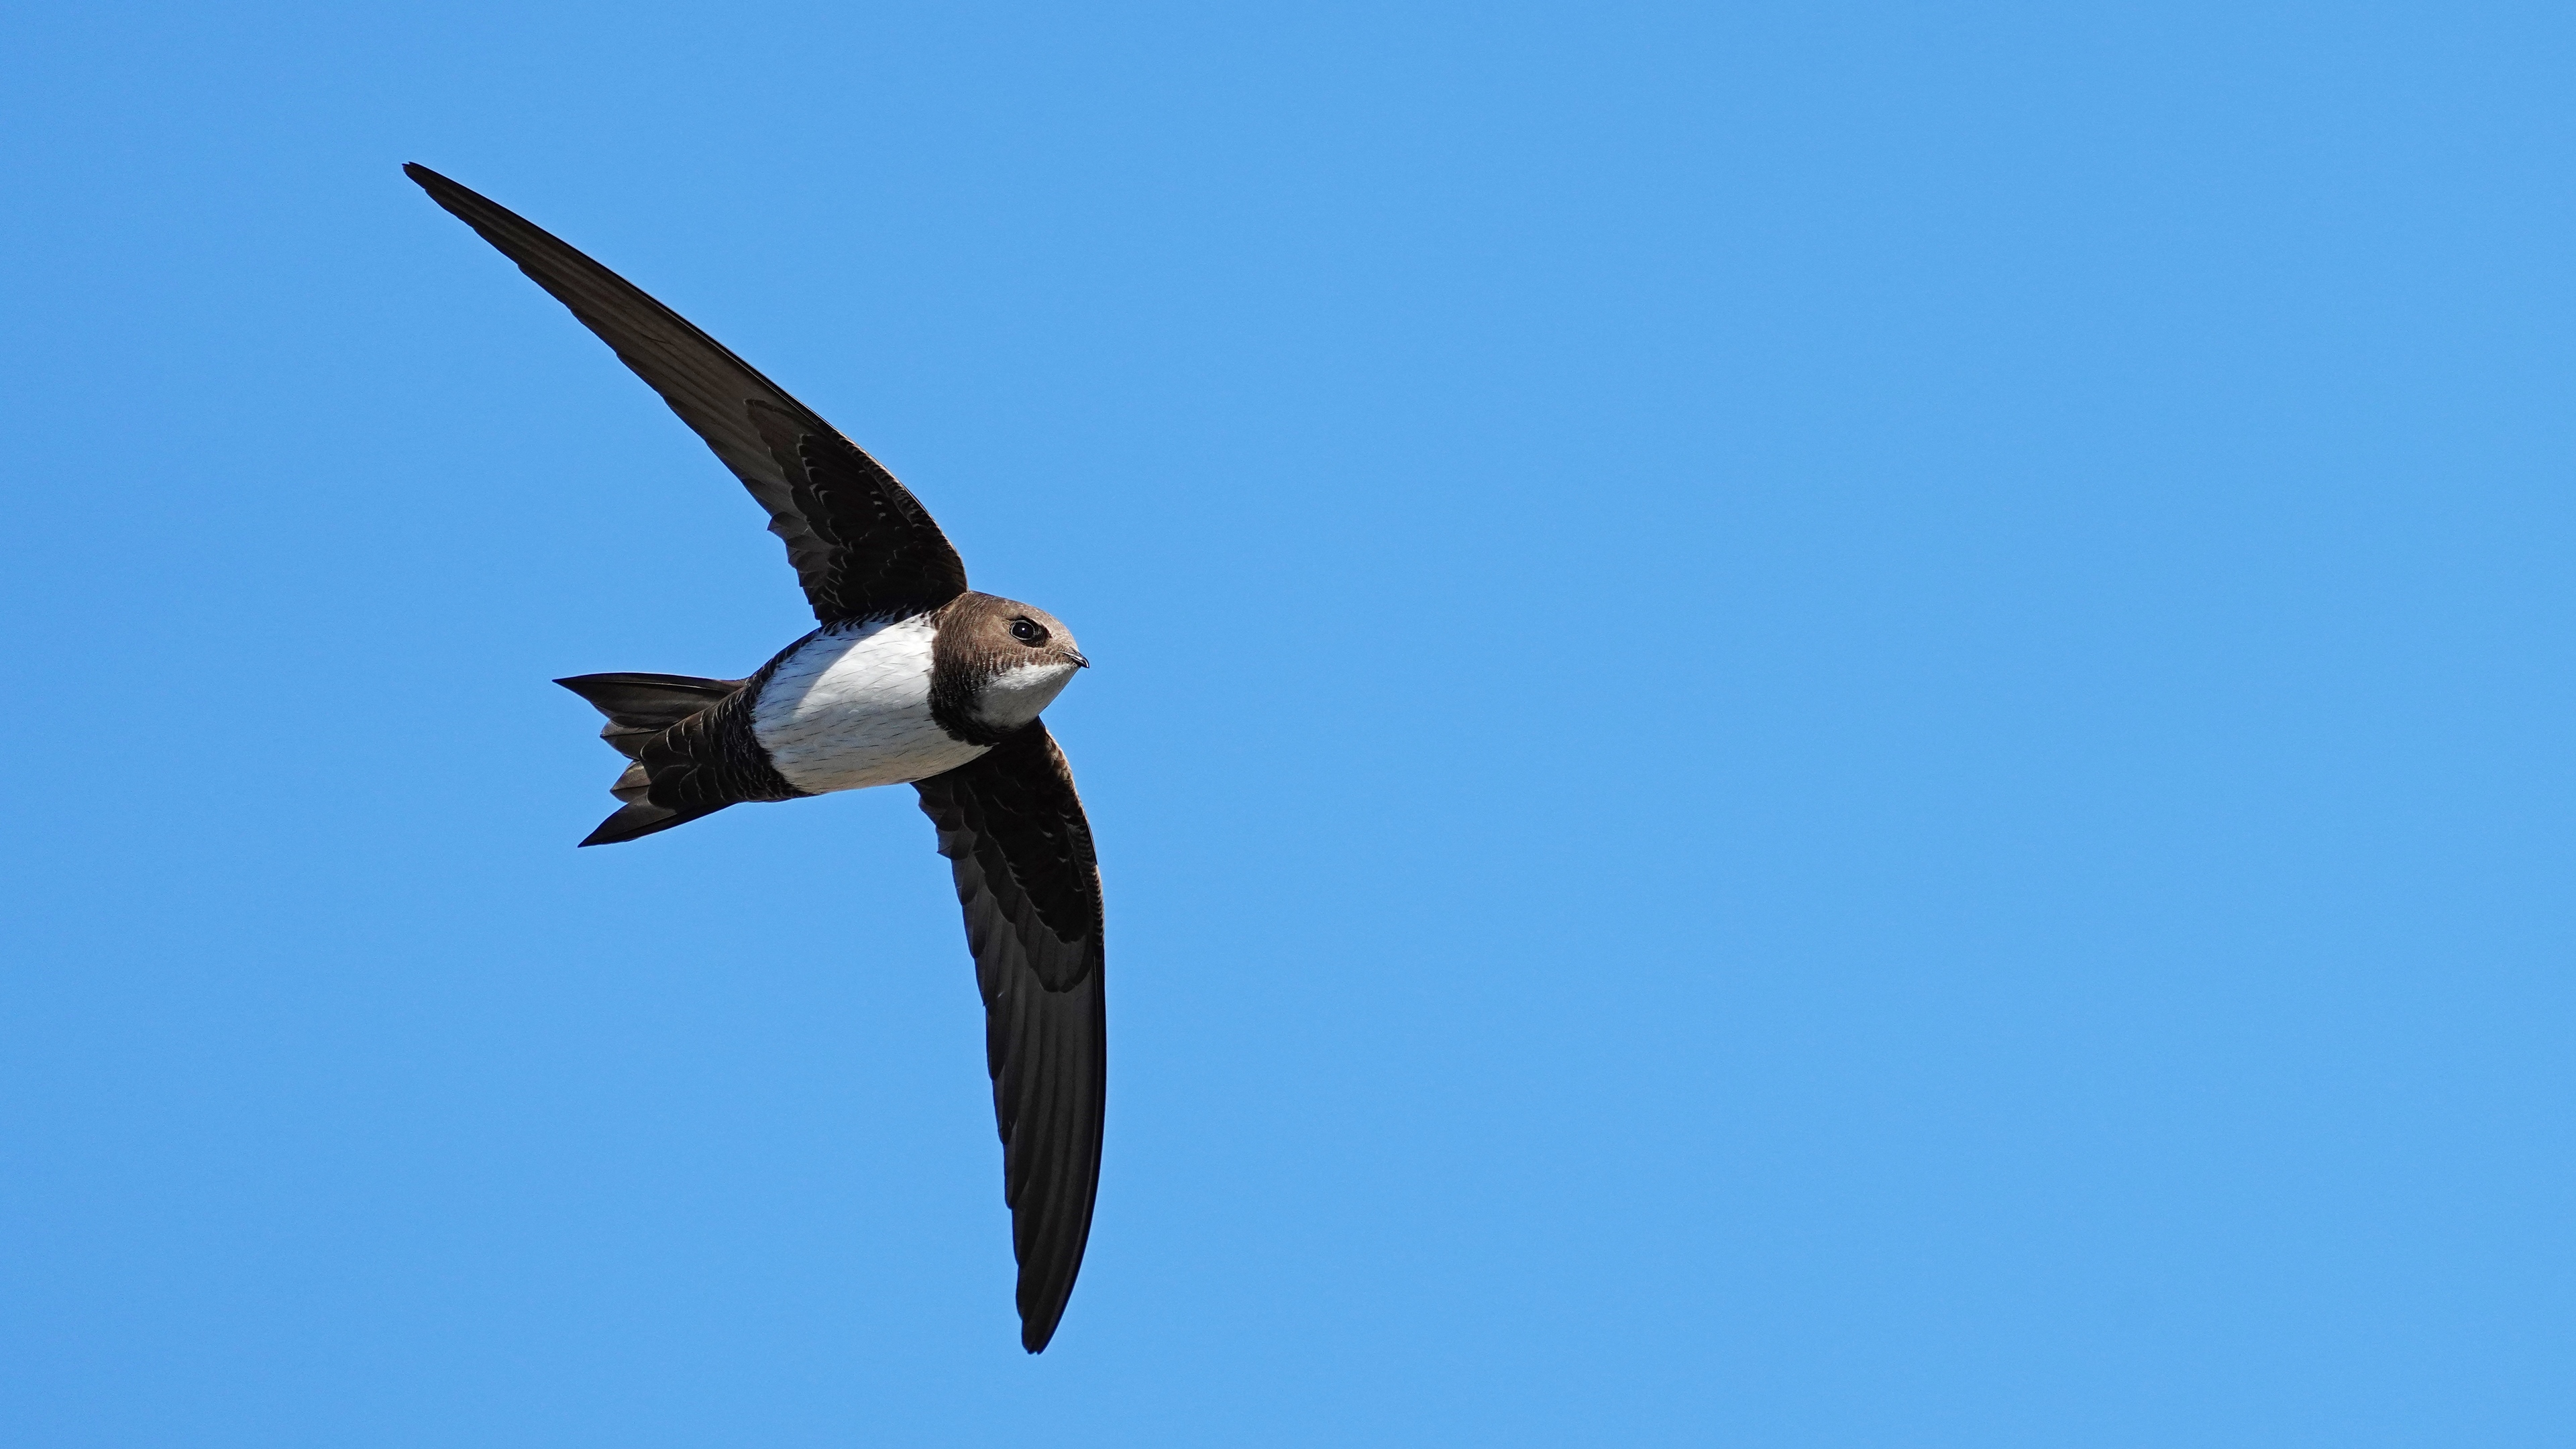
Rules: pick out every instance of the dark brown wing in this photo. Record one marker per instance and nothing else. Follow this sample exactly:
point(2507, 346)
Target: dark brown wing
point(1012, 828)
point(861, 544)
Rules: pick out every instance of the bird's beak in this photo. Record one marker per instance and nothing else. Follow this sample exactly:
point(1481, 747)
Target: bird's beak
point(1078, 661)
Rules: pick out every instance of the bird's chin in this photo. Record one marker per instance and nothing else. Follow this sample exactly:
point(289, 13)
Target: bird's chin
point(1015, 696)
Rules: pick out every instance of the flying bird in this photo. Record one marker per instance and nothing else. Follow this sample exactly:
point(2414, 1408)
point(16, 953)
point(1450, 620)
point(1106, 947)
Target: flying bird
point(911, 678)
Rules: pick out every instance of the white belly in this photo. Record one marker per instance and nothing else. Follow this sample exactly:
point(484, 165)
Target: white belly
point(851, 708)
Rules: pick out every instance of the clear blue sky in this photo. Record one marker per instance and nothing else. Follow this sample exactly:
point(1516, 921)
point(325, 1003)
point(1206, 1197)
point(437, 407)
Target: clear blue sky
point(1816, 726)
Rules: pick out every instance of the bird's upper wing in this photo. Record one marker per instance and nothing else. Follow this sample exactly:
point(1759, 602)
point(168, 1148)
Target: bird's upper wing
point(1013, 830)
point(861, 544)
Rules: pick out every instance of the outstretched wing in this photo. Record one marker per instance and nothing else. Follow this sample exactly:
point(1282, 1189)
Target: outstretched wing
point(1013, 830)
point(861, 544)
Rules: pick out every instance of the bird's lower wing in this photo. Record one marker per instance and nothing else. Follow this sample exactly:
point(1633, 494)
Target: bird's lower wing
point(1013, 830)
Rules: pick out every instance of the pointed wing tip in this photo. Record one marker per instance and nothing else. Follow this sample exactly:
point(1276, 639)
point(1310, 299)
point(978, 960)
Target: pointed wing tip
point(1042, 1311)
point(447, 193)
point(1042, 1305)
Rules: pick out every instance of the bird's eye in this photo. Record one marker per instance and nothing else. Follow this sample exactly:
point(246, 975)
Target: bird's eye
point(1026, 632)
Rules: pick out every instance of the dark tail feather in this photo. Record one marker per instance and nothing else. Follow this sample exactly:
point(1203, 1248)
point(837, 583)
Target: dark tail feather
point(639, 707)
point(643, 818)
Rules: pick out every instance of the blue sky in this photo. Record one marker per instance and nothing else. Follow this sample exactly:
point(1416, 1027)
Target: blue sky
point(1815, 726)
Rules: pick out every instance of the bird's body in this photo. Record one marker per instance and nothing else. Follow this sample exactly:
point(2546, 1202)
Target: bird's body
point(913, 678)
point(851, 706)
point(847, 708)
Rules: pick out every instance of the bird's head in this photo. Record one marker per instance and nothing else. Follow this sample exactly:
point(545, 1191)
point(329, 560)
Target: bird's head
point(1018, 656)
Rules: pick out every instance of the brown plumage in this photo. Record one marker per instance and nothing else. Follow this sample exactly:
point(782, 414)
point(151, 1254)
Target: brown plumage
point(913, 676)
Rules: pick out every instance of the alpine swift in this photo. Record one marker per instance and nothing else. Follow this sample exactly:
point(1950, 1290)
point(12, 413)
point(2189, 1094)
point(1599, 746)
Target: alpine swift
point(912, 678)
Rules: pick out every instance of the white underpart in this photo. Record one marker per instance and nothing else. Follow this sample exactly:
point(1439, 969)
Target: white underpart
point(1015, 696)
point(851, 708)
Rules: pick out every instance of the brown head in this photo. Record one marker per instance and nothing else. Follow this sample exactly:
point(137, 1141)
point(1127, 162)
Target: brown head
point(995, 663)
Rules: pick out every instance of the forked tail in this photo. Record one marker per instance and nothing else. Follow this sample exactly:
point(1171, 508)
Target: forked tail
point(640, 707)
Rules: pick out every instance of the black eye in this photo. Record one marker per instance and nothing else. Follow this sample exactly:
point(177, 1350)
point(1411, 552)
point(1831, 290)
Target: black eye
point(1027, 632)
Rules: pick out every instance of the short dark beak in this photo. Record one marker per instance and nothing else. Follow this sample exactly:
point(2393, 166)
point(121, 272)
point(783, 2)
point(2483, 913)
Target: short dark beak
point(1078, 661)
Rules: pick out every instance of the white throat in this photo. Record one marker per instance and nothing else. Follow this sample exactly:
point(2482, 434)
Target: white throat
point(1014, 697)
